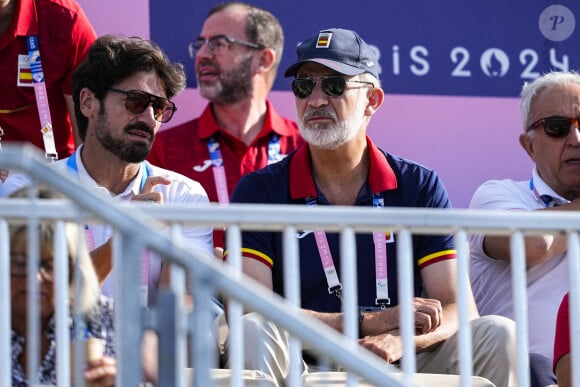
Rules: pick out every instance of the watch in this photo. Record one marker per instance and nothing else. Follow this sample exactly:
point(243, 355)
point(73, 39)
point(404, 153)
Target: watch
point(361, 317)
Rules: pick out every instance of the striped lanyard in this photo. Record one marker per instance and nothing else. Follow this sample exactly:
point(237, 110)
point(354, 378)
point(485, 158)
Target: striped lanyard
point(381, 273)
point(145, 260)
point(41, 98)
point(218, 169)
point(548, 200)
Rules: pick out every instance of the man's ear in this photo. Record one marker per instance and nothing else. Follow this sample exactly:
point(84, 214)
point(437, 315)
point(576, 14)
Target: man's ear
point(376, 96)
point(266, 59)
point(89, 104)
point(527, 143)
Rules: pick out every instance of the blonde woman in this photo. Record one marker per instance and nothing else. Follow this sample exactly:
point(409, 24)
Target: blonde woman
point(97, 310)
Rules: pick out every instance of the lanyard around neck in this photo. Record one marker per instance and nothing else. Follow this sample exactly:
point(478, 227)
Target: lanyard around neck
point(218, 169)
point(71, 164)
point(41, 98)
point(381, 273)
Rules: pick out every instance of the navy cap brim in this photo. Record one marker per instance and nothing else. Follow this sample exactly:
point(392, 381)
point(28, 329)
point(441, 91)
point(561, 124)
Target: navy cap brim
point(333, 65)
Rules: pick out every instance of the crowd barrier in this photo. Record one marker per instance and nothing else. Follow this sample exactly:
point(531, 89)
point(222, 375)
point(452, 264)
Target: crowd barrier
point(183, 334)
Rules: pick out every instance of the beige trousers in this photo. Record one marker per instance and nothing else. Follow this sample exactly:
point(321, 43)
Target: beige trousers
point(493, 339)
point(493, 353)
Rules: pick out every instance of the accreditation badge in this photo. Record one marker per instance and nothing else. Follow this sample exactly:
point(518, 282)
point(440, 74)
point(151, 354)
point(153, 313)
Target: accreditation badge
point(24, 72)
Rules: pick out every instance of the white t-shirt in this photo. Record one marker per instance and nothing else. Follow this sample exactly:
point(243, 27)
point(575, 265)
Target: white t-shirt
point(182, 190)
point(491, 278)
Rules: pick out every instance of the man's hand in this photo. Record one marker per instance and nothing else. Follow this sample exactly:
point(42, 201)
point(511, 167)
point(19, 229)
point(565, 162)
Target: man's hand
point(219, 253)
point(428, 315)
point(147, 194)
point(388, 346)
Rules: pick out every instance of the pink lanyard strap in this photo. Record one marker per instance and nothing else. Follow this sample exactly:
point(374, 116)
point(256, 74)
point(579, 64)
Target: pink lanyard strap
point(219, 171)
point(381, 271)
point(41, 98)
point(334, 285)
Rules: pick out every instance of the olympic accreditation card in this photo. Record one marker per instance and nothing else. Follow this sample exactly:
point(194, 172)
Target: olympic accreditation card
point(24, 76)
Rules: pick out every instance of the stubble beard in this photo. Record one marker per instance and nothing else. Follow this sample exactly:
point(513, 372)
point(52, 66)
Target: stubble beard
point(131, 152)
point(231, 87)
point(332, 136)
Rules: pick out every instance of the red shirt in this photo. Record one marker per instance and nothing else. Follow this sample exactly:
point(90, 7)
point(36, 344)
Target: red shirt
point(184, 149)
point(562, 340)
point(64, 37)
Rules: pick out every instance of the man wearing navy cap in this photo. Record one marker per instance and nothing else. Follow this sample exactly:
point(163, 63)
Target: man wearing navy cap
point(337, 89)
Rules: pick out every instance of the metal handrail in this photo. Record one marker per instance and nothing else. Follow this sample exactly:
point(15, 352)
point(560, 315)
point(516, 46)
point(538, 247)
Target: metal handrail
point(140, 228)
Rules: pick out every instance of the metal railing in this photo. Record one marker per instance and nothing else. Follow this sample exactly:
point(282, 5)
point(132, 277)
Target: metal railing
point(137, 227)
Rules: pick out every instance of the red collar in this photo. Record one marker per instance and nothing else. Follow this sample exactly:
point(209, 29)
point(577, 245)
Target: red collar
point(272, 123)
point(27, 18)
point(381, 176)
point(24, 22)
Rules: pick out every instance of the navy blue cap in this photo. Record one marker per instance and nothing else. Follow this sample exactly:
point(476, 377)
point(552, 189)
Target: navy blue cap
point(340, 50)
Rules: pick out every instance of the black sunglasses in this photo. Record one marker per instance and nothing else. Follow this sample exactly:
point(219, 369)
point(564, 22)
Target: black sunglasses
point(137, 101)
point(556, 126)
point(333, 86)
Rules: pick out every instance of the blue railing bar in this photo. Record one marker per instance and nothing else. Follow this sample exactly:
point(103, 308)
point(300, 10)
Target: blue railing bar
point(464, 298)
point(292, 294)
point(235, 309)
point(519, 289)
point(5, 307)
point(349, 294)
point(61, 292)
point(405, 285)
point(127, 252)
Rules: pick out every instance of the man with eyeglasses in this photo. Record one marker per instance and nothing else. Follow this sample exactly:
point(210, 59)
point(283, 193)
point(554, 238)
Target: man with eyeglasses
point(550, 109)
point(337, 92)
point(236, 60)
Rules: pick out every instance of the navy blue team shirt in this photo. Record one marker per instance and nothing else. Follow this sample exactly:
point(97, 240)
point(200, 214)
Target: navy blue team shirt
point(402, 183)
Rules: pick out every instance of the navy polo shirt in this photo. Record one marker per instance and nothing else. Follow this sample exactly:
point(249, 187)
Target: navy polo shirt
point(402, 183)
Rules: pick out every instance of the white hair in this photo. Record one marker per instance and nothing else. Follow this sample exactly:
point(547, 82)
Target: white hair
point(531, 89)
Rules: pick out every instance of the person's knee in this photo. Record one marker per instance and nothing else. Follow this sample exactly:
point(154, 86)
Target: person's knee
point(495, 333)
point(257, 331)
point(252, 325)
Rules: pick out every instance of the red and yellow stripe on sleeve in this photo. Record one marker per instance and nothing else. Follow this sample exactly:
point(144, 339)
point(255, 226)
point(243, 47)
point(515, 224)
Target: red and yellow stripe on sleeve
point(436, 257)
point(257, 255)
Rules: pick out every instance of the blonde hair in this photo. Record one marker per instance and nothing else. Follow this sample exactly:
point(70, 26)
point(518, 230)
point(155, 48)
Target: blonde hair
point(77, 250)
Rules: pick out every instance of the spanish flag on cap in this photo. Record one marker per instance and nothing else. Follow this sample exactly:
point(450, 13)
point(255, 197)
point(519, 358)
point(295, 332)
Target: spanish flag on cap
point(323, 40)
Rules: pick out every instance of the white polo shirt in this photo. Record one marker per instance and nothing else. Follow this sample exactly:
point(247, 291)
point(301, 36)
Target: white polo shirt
point(491, 278)
point(182, 190)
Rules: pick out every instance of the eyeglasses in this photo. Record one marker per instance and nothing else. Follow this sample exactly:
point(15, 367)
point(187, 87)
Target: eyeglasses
point(333, 86)
point(137, 101)
point(19, 267)
point(219, 44)
point(556, 126)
